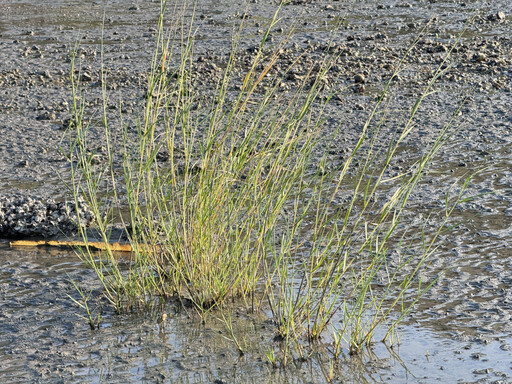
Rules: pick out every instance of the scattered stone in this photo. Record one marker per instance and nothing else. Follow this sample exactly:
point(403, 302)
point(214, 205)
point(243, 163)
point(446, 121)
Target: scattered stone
point(95, 159)
point(22, 216)
point(498, 16)
point(68, 123)
point(358, 88)
point(86, 76)
point(441, 48)
point(484, 371)
point(359, 78)
point(505, 347)
point(46, 115)
point(479, 57)
point(162, 156)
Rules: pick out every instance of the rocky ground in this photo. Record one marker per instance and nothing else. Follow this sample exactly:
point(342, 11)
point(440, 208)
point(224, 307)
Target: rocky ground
point(34, 77)
point(24, 216)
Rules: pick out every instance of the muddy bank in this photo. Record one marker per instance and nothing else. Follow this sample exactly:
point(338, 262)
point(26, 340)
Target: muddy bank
point(464, 321)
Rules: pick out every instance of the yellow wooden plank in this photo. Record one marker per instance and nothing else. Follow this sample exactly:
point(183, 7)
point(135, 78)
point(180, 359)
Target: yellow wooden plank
point(116, 247)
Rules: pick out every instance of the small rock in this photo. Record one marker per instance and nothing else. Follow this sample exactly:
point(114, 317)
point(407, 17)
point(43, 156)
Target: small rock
point(441, 48)
point(505, 347)
point(479, 57)
point(484, 371)
point(358, 88)
point(86, 76)
point(359, 78)
point(96, 159)
point(68, 123)
point(162, 156)
point(499, 16)
point(46, 115)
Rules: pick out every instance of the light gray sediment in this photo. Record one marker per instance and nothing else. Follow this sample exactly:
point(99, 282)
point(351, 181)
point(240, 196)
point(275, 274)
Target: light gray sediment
point(460, 331)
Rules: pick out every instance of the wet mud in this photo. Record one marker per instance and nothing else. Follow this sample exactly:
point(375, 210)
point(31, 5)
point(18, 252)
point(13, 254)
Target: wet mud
point(460, 331)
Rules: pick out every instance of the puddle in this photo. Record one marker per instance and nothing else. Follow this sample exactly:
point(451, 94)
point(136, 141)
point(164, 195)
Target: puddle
point(43, 337)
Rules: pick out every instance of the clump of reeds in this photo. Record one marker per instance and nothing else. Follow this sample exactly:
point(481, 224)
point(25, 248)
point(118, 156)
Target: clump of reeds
point(243, 208)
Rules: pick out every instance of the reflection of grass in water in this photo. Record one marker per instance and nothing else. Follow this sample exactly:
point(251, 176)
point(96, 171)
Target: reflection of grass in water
point(238, 199)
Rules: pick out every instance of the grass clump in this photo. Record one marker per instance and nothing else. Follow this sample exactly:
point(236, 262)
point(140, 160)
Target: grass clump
point(243, 207)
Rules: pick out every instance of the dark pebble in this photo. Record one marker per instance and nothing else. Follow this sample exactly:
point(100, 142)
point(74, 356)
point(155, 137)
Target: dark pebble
point(359, 78)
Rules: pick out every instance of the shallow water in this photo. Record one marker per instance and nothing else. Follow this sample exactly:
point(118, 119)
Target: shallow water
point(460, 332)
point(132, 348)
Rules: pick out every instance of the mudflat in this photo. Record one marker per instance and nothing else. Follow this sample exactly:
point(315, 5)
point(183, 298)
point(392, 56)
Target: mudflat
point(461, 330)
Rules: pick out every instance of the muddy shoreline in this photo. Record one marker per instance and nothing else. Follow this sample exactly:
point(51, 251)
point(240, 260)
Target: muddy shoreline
point(460, 331)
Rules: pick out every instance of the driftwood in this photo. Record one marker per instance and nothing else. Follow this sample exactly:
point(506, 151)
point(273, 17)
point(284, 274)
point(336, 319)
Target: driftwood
point(116, 247)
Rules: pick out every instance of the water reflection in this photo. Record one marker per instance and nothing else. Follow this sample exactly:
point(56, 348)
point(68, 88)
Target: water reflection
point(42, 335)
